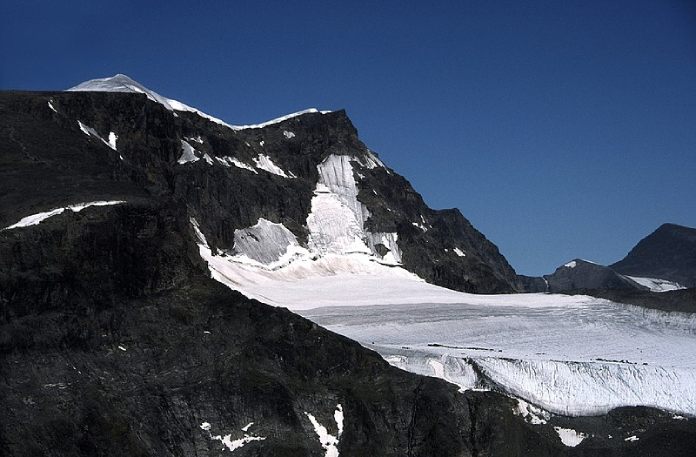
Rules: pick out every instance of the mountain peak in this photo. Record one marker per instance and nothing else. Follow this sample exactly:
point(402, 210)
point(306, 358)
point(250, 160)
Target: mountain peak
point(124, 83)
point(667, 253)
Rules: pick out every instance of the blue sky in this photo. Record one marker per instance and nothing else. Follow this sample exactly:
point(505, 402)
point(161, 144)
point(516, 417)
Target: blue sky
point(560, 129)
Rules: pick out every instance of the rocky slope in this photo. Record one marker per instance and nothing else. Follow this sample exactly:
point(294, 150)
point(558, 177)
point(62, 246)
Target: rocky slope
point(667, 253)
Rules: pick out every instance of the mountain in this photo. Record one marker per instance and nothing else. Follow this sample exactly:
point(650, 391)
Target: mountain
point(581, 274)
point(123, 211)
point(307, 174)
point(669, 253)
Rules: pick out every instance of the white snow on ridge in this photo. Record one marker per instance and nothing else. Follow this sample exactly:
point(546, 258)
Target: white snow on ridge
point(37, 218)
point(122, 83)
point(278, 120)
point(657, 285)
point(571, 264)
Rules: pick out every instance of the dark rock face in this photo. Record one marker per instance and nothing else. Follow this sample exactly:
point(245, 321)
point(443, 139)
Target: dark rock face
point(114, 340)
point(225, 198)
point(667, 253)
point(580, 274)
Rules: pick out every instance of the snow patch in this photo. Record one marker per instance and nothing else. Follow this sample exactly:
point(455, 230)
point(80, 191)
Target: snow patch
point(112, 140)
point(459, 252)
point(188, 153)
point(632, 438)
point(265, 163)
point(657, 285)
point(328, 441)
point(122, 348)
point(388, 240)
point(370, 161)
point(232, 161)
point(571, 264)
point(267, 245)
point(570, 437)
point(228, 442)
point(37, 218)
point(288, 134)
point(89, 131)
point(420, 226)
point(50, 105)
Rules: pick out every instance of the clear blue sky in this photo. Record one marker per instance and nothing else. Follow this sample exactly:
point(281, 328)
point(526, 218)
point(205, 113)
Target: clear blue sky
point(560, 129)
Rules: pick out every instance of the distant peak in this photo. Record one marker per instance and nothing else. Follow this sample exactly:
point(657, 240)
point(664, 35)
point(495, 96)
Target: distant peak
point(575, 262)
point(668, 226)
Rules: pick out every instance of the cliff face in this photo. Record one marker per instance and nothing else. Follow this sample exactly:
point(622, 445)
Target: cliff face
point(231, 178)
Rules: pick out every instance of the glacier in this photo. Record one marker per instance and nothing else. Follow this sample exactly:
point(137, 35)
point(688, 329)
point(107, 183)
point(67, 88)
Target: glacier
point(570, 355)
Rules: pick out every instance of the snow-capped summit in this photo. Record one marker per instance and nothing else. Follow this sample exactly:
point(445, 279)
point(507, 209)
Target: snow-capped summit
point(124, 83)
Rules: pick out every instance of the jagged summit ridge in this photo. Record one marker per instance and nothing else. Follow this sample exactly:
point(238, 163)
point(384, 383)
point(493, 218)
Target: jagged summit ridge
point(124, 83)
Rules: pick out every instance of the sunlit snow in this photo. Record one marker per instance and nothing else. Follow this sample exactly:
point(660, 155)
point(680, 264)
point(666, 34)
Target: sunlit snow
point(570, 437)
point(328, 441)
point(89, 131)
point(228, 442)
point(264, 162)
point(39, 217)
point(188, 153)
